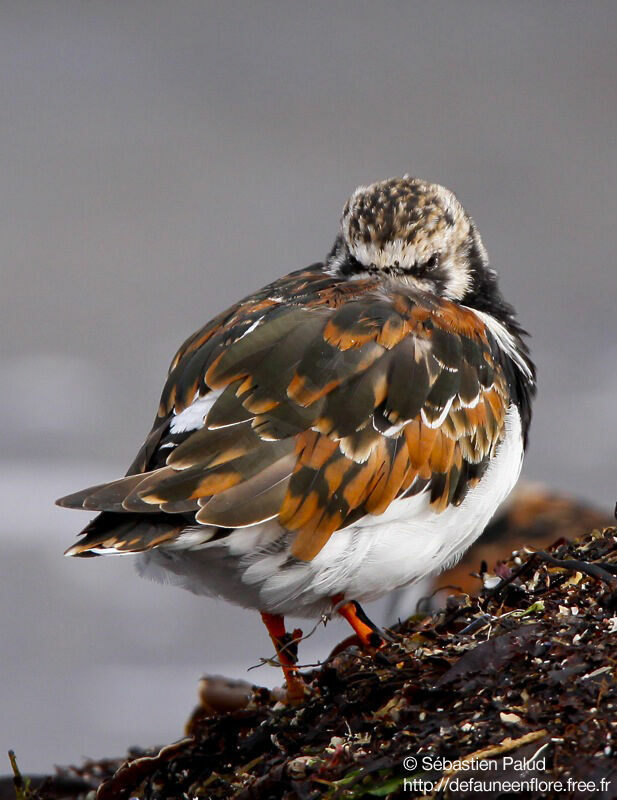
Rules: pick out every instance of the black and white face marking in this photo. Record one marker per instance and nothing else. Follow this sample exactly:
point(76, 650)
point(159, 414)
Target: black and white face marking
point(411, 231)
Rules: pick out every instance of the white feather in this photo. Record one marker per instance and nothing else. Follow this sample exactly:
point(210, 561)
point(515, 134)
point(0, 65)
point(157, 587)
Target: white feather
point(250, 329)
point(505, 340)
point(193, 416)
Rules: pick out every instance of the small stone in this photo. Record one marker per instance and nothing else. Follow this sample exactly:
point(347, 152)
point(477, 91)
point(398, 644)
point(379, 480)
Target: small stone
point(510, 719)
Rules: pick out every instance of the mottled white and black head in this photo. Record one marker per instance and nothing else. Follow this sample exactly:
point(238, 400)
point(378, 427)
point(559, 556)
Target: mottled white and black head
point(412, 231)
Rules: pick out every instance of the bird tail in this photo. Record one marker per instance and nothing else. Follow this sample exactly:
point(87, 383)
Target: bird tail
point(112, 533)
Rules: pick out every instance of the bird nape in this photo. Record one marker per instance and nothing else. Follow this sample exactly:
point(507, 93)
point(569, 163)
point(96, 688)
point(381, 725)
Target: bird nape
point(346, 430)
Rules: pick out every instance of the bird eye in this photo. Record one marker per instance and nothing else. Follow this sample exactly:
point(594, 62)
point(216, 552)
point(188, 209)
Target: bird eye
point(432, 262)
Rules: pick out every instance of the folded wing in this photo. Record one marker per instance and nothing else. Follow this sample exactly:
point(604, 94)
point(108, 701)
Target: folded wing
point(323, 410)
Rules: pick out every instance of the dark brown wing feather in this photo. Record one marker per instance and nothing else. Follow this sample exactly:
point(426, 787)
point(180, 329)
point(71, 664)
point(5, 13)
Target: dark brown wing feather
point(335, 398)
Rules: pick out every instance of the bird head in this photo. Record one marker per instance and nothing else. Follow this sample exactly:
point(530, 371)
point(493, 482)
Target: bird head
point(413, 232)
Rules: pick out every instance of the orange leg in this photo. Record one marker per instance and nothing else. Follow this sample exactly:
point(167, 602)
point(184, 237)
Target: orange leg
point(367, 632)
point(286, 646)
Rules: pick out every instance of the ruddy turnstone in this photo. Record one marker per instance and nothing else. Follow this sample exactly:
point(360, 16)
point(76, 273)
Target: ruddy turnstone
point(348, 429)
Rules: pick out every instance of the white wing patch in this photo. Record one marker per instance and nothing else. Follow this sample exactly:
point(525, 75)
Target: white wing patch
point(193, 417)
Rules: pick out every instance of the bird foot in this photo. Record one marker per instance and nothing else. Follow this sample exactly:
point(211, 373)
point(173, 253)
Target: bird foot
point(370, 636)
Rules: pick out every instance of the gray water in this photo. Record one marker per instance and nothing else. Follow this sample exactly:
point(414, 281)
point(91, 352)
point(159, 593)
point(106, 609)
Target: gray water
point(162, 159)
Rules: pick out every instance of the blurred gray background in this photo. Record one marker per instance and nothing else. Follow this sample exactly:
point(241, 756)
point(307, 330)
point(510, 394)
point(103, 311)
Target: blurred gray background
point(159, 160)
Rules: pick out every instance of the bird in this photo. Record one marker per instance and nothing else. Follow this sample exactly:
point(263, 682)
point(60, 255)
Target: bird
point(346, 430)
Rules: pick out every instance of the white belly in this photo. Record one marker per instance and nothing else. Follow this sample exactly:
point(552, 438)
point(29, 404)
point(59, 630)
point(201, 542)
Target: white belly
point(369, 559)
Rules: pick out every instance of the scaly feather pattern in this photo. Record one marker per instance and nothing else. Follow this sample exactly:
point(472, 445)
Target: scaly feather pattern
point(325, 400)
